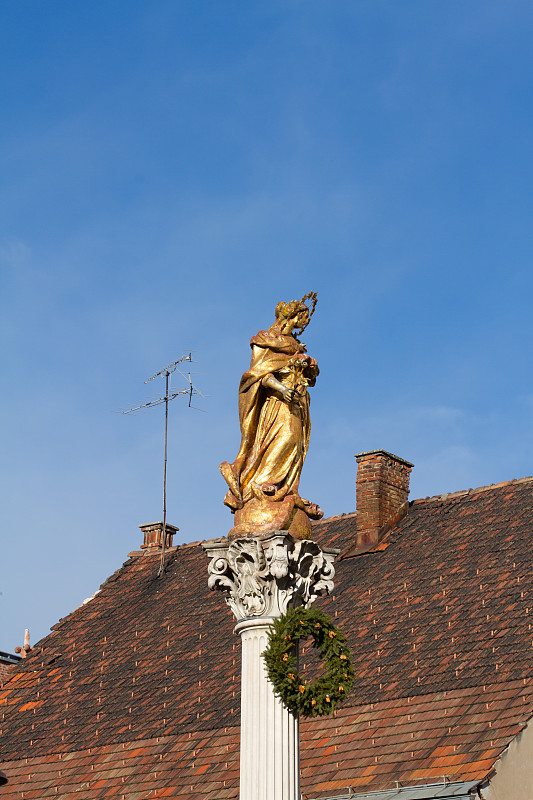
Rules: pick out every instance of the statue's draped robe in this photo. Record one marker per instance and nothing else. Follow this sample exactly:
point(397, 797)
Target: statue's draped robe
point(274, 434)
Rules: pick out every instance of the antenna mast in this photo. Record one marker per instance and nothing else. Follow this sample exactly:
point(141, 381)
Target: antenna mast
point(191, 391)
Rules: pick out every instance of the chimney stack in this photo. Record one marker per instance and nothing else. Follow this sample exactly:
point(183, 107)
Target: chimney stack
point(153, 535)
point(382, 488)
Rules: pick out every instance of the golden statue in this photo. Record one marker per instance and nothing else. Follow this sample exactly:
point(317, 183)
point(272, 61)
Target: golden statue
point(275, 426)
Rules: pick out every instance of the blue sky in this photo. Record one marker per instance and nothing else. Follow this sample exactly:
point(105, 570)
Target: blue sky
point(170, 170)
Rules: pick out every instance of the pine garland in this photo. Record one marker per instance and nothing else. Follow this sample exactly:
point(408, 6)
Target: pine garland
point(321, 696)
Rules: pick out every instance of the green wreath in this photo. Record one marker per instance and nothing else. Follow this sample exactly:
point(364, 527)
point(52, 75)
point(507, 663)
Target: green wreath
point(321, 696)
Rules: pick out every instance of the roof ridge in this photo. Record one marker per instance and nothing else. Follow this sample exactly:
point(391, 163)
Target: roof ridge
point(335, 517)
point(463, 492)
point(429, 499)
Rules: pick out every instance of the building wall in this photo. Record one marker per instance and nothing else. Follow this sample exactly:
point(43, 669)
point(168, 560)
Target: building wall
point(513, 779)
point(6, 666)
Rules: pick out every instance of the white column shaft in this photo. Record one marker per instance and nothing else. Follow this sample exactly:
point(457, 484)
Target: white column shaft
point(270, 768)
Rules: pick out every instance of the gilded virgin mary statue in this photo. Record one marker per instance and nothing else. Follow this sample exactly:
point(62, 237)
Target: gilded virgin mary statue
point(275, 427)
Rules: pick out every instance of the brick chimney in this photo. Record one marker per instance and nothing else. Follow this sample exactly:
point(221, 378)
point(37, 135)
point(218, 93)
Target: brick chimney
point(7, 663)
point(382, 488)
point(153, 535)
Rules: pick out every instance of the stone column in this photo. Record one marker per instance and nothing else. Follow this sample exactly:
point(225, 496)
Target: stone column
point(261, 577)
point(269, 732)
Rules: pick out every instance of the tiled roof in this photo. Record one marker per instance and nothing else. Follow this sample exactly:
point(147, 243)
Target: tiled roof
point(138, 689)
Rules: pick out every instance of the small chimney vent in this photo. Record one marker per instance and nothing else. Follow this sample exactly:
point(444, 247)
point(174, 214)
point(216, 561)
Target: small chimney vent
point(153, 535)
point(382, 489)
point(26, 648)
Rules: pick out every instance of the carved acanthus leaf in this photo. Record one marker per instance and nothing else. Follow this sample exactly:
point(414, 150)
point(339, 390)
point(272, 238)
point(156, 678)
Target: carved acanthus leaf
point(262, 576)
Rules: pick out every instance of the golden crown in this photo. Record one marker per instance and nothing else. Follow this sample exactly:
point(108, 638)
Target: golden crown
point(286, 310)
point(312, 296)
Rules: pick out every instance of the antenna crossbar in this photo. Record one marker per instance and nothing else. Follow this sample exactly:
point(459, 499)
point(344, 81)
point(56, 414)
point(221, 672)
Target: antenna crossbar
point(171, 367)
point(160, 400)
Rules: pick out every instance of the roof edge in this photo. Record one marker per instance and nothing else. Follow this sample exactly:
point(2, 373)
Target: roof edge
point(445, 788)
point(477, 490)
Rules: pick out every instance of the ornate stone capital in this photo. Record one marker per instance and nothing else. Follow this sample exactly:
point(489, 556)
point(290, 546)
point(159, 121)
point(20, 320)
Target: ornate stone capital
point(263, 576)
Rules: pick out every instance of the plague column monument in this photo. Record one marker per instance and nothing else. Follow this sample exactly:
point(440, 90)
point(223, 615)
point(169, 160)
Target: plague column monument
point(268, 563)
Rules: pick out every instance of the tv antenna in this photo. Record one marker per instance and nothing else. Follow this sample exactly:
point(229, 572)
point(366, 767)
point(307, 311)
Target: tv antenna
point(169, 395)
